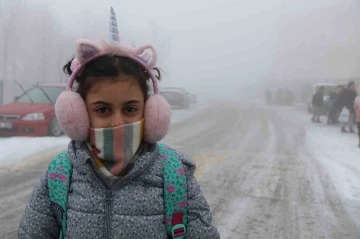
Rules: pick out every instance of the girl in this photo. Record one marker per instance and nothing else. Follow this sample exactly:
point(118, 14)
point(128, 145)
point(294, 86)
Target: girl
point(357, 111)
point(115, 121)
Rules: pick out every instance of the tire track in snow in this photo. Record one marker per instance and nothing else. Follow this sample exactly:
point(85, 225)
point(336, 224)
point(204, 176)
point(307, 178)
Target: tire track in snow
point(280, 196)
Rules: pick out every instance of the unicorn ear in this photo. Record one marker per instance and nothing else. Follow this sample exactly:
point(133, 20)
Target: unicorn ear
point(85, 50)
point(147, 54)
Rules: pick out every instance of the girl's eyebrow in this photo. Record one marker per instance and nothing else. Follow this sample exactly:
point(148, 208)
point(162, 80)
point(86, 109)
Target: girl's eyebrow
point(100, 103)
point(131, 102)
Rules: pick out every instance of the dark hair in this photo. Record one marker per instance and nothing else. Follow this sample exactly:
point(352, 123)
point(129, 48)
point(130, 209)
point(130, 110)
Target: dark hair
point(111, 66)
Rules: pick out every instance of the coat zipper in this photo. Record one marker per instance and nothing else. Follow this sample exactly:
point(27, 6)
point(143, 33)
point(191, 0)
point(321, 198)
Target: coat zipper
point(108, 213)
point(108, 197)
point(108, 201)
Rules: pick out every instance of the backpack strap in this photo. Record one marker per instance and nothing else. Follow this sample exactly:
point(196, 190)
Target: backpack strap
point(59, 177)
point(175, 192)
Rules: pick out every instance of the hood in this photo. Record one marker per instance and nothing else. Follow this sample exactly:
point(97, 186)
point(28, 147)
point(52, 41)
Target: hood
point(22, 109)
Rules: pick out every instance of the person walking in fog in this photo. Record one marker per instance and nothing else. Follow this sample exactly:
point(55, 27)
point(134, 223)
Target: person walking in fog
point(357, 111)
point(328, 105)
point(348, 99)
point(336, 106)
point(318, 103)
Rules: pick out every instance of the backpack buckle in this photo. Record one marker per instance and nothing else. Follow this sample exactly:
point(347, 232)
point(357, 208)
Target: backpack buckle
point(178, 231)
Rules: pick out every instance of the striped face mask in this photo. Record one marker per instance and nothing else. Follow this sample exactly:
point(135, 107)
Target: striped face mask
point(116, 147)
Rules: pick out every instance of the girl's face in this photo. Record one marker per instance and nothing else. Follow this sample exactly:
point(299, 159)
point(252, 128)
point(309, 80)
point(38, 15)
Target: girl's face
point(111, 103)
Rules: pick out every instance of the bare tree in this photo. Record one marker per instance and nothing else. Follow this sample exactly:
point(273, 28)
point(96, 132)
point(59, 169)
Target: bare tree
point(32, 48)
point(6, 23)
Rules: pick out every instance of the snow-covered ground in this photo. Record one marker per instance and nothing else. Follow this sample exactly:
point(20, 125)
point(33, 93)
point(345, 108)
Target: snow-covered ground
point(337, 151)
point(15, 150)
point(339, 154)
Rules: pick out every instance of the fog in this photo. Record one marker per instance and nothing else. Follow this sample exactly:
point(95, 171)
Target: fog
point(227, 48)
point(273, 159)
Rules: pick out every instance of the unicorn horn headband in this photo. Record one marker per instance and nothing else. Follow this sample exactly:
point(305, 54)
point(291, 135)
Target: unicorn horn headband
point(87, 51)
point(70, 108)
point(113, 28)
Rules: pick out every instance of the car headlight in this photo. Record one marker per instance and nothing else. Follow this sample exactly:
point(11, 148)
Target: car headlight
point(34, 116)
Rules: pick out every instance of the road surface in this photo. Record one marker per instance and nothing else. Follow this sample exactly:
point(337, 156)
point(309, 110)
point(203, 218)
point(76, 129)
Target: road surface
point(256, 168)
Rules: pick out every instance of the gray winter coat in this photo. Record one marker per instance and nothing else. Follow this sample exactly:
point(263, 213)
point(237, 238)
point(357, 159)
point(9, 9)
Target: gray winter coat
point(133, 208)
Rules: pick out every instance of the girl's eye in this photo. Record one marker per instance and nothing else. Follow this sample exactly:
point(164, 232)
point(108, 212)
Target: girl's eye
point(130, 109)
point(103, 110)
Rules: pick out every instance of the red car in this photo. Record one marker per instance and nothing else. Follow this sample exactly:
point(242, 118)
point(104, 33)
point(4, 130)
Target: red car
point(32, 113)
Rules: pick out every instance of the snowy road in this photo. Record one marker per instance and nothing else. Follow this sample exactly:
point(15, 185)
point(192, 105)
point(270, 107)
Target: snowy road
point(267, 174)
point(261, 177)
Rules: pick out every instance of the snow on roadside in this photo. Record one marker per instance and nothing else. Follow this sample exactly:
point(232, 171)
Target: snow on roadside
point(14, 150)
point(337, 151)
point(339, 154)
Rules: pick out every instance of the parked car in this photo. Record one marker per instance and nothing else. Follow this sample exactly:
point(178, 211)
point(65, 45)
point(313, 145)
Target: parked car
point(329, 87)
point(32, 113)
point(176, 96)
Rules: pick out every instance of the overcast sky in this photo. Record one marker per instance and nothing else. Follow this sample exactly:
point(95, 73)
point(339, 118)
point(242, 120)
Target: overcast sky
point(205, 44)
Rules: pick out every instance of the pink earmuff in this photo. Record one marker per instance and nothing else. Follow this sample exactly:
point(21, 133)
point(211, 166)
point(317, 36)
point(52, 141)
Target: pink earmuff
point(70, 108)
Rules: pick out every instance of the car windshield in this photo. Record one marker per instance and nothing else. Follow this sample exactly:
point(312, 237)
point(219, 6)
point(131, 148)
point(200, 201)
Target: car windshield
point(41, 95)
